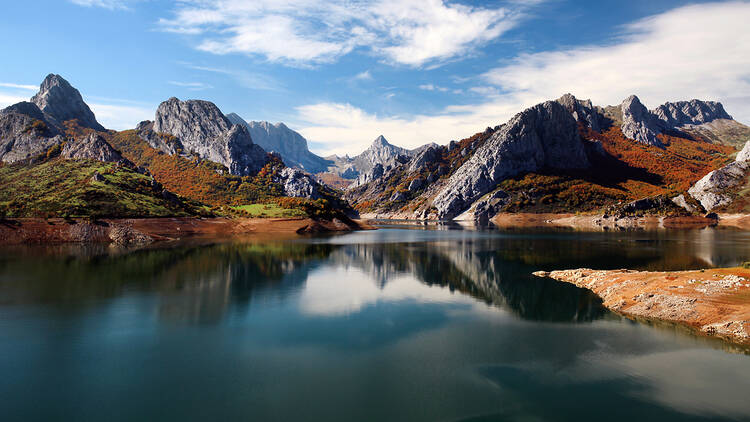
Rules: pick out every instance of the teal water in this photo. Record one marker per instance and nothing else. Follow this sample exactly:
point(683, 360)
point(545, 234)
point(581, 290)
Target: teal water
point(399, 324)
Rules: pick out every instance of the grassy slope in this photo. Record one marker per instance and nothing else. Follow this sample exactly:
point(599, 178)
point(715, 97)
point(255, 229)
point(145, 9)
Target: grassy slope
point(202, 181)
point(64, 188)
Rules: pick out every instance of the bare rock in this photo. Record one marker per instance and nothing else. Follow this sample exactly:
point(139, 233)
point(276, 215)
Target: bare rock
point(60, 101)
point(91, 147)
point(298, 184)
point(545, 135)
point(638, 123)
point(203, 130)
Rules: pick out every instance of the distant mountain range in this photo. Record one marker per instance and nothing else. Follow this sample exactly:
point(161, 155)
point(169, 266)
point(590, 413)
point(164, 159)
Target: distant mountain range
point(558, 156)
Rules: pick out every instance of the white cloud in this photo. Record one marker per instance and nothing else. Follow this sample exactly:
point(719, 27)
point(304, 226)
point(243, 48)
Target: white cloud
point(106, 4)
point(121, 116)
point(7, 99)
point(19, 86)
point(246, 79)
point(363, 76)
point(308, 32)
point(431, 87)
point(192, 86)
point(700, 51)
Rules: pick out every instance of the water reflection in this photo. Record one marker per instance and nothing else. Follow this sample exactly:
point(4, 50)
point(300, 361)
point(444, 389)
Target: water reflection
point(385, 325)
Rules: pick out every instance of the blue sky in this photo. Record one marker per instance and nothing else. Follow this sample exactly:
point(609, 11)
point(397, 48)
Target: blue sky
point(343, 72)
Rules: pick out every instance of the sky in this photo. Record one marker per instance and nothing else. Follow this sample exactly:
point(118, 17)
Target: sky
point(342, 72)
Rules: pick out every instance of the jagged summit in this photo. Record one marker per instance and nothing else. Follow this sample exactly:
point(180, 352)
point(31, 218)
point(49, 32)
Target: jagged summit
point(60, 101)
point(202, 129)
point(543, 136)
point(643, 125)
point(693, 112)
point(290, 145)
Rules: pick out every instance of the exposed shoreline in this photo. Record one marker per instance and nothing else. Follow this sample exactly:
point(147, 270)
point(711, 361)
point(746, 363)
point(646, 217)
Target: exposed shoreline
point(711, 302)
point(145, 230)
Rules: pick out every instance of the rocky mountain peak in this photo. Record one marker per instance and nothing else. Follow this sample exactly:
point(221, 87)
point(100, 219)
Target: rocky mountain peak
point(638, 123)
point(583, 111)
point(545, 135)
point(278, 138)
point(693, 112)
point(60, 101)
point(202, 129)
point(380, 141)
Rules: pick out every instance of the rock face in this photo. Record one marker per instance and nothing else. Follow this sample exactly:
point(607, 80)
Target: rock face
point(716, 189)
point(693, 112)
point(380, 152)
point(744, 154)
point(26, 133)
point(92, 147)
point(545, 135)
point(60, 102)
point(638, 123)
point(643, 125)
point(290, 145)
point(297, 184)
point(203, 130)
point(583, 111)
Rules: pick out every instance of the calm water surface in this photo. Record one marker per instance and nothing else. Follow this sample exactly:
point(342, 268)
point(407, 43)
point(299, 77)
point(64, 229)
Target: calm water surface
point(390, 325)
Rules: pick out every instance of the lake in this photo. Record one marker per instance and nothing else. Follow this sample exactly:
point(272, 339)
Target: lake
point(406, 323)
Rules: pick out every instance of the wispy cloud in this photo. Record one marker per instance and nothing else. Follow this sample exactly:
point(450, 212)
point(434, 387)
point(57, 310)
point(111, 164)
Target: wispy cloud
point(246, 79)
point(19, 86)
point(192, 86)
point(657, 58)
point(106, 4)
point(431, 87)
point(363, 76)
point(310, 32)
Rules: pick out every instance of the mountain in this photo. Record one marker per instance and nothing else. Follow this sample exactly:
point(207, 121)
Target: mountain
point(720, 188)
point(642, 125)
point(200, 128)
point(545, 135)
point(61, 102)
point(25, 133)
point(566, 155)
point(30, 129)
point(290, 145)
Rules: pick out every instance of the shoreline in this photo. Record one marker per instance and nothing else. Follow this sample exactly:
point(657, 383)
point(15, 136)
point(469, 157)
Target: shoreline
point(126, 231)
point(712, 302)
point(587, 222)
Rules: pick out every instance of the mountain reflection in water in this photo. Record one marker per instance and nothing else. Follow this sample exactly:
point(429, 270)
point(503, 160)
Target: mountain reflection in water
point(393, 324)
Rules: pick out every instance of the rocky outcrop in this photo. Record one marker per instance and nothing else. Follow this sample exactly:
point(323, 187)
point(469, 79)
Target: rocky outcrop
point(644, 126)
point(203, 130)
point(693, 112)
point(58, 100)
point(744, 154)
point(25, 133)
point(583, 111)
point(638, 123)
point(91, 147)
point(297, 184)
point(290, 145)
point(718, 188)
point(545, 135)
point(375, 173)
point(380, 152)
